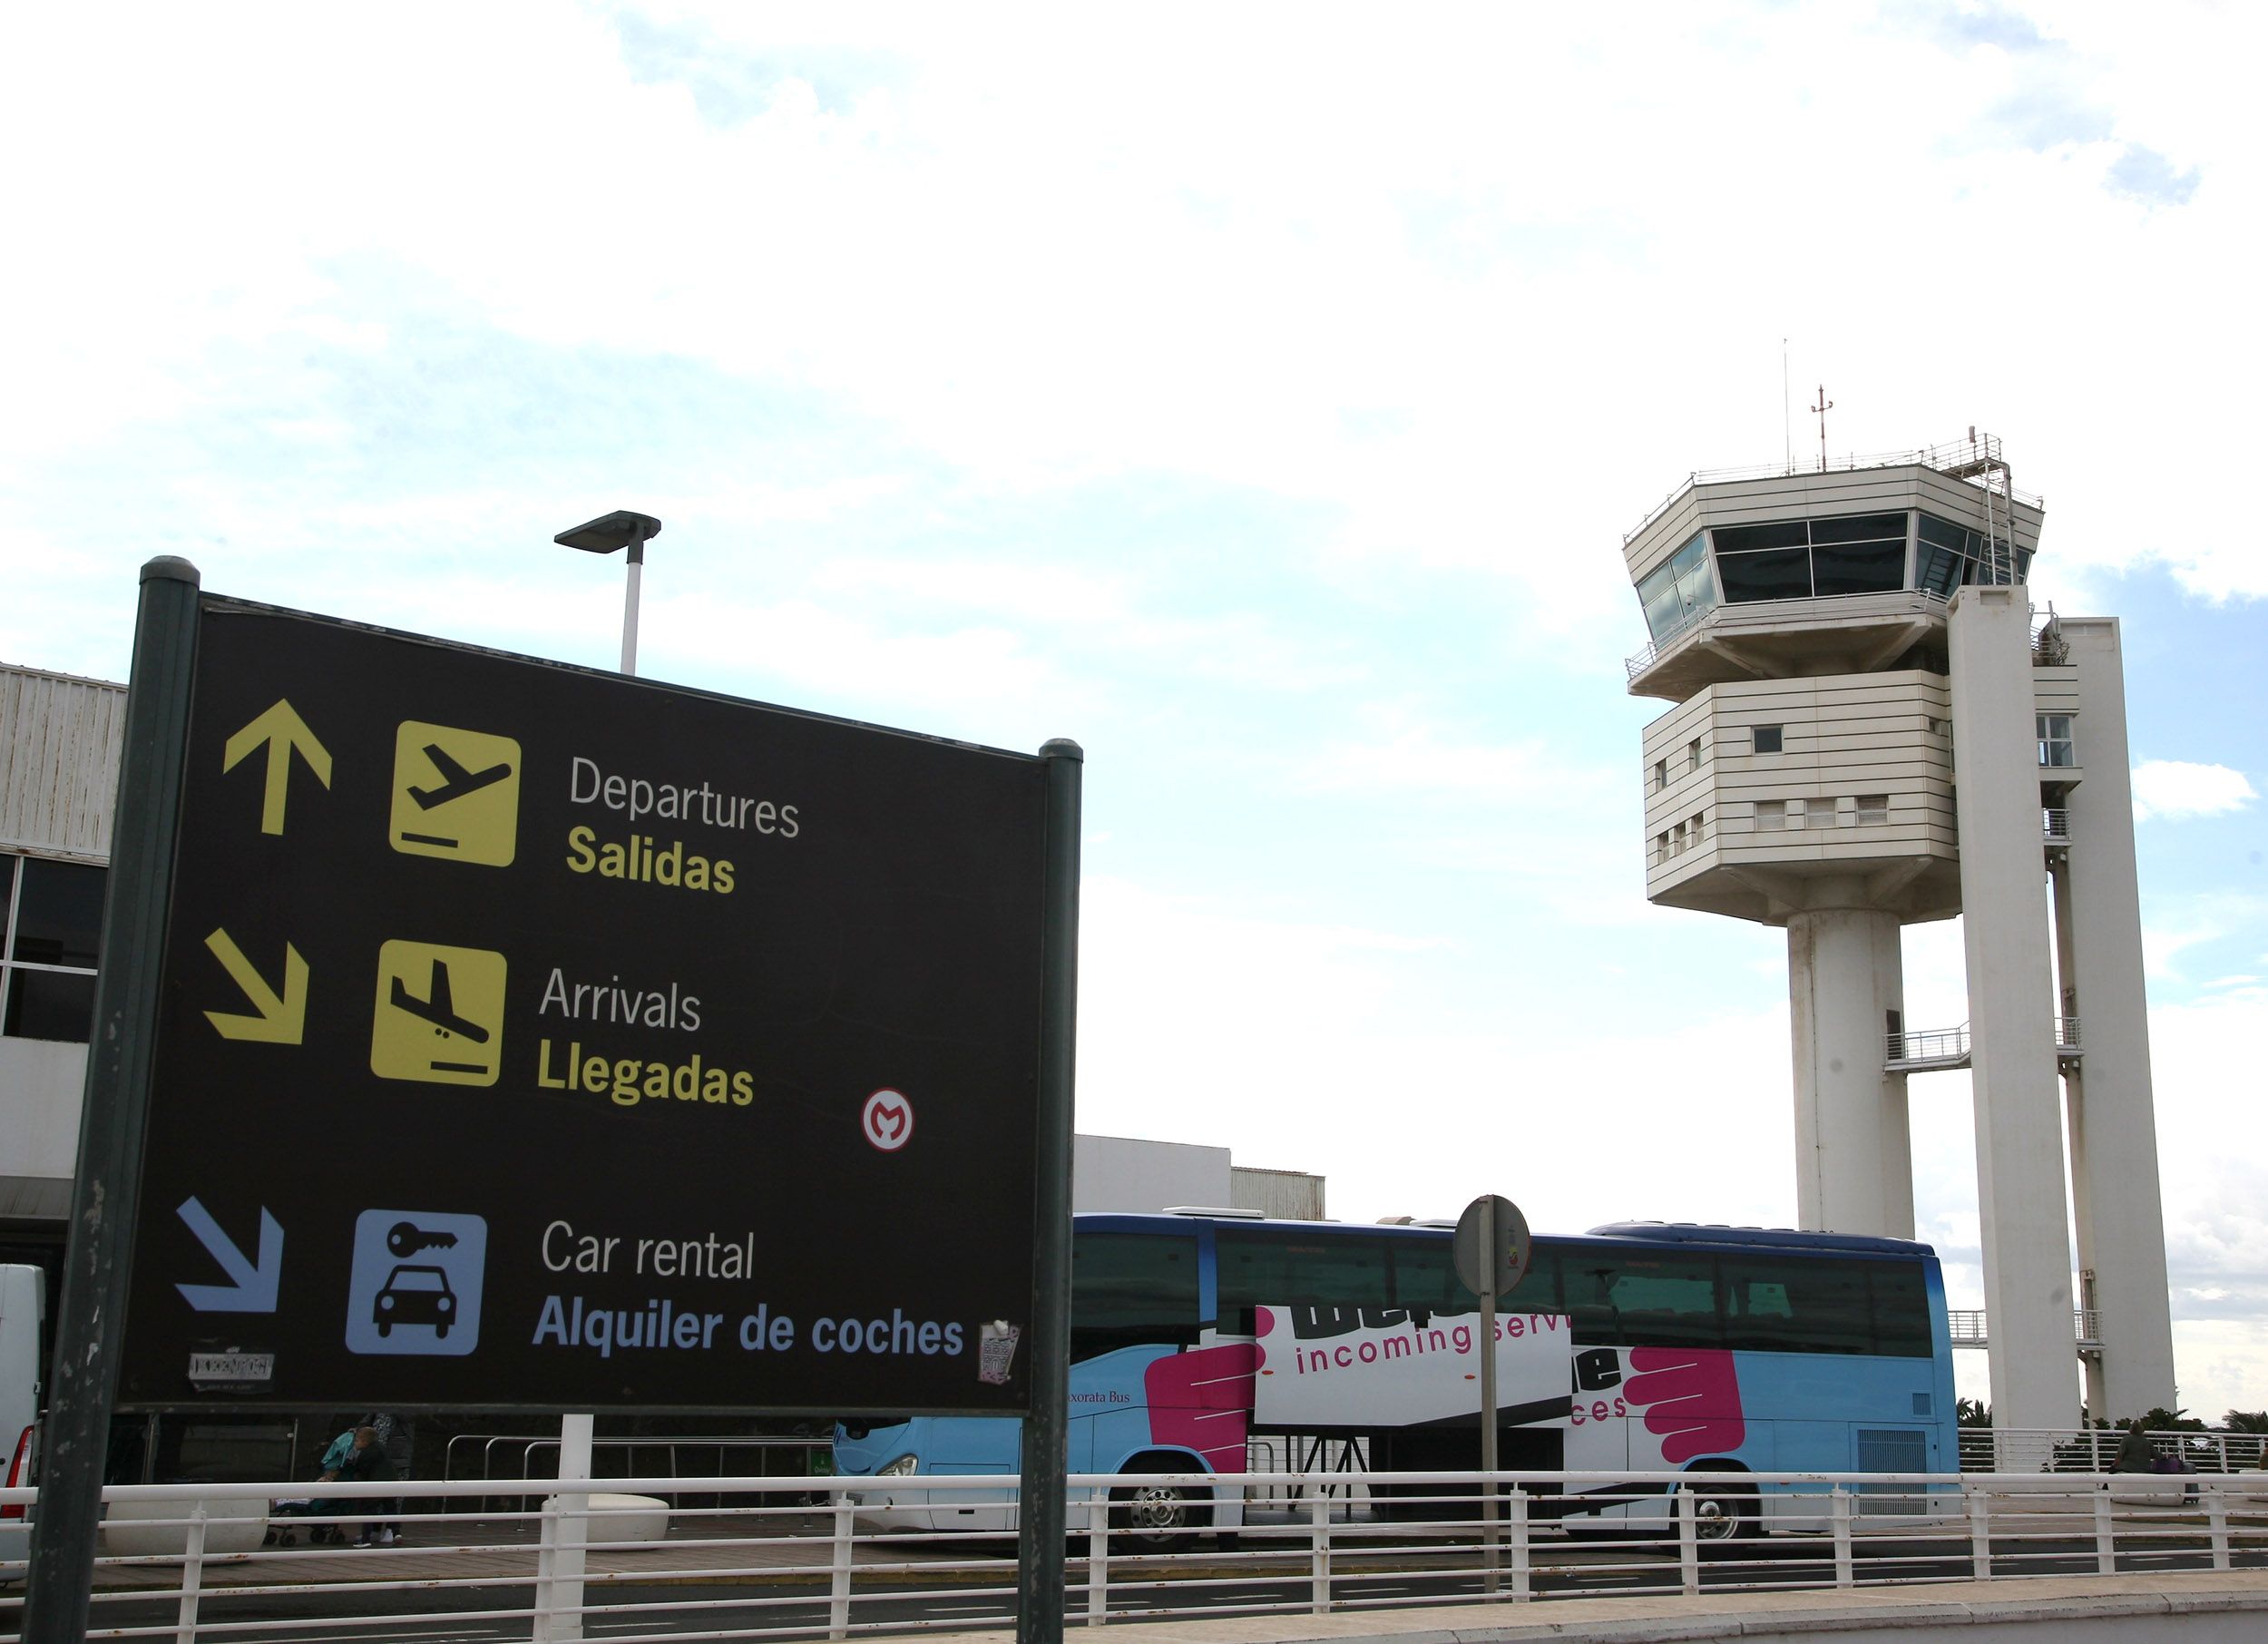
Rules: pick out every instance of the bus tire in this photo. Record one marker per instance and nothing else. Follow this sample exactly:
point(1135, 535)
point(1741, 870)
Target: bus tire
point(1722, 1514)
point(1157, 1517)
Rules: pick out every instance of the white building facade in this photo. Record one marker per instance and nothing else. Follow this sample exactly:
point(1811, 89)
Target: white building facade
point(1871, 728)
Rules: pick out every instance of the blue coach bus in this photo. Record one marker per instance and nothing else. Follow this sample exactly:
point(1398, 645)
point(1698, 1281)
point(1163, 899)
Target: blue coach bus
point(1637, 1347)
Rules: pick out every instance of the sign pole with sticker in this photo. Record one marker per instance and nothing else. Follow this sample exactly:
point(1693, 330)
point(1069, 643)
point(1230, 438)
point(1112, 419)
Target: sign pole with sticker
point(1046, 1430)
point(91, 1317)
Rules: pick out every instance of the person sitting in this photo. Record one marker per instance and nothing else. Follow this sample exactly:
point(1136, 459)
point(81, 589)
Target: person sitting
point(367, 1462)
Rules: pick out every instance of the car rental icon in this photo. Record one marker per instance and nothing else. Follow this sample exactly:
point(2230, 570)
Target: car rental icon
point(415, 1294)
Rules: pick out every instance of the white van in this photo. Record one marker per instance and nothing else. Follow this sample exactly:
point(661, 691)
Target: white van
point(23, 1309)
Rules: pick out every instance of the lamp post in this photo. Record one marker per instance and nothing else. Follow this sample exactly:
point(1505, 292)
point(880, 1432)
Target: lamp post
point(566, 1534)
point(606, 534)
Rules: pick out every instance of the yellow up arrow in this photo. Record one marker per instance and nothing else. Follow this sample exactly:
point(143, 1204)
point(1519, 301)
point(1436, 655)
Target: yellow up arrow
point(280, 1019)
point(280, 729)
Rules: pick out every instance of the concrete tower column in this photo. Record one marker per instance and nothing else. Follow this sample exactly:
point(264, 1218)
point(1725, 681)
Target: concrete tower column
point(1853, 1158)
point(2114, 1127)
point(2012, 1009)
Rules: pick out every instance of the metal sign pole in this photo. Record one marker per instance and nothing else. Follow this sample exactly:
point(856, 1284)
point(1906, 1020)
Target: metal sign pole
point(91, 1319)
point(1046, 1430)
point(1490, 1540)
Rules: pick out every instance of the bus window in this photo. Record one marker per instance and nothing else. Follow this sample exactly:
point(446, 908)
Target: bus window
point(1425, 1275)
point(1129, 1289)
point(1669, 1301)
point(1901, 1309)
point(1797, 1303)
point(1283, 1269)
point(1632, 1299)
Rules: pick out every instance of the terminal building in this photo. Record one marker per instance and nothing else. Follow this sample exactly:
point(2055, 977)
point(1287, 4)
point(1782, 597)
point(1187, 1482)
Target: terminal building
point(1871, 727)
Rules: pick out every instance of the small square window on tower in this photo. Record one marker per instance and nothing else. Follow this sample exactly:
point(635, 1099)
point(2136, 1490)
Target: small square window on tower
point(1764, 739)
point(1819, 812)
point(1771, 813)
point(1872, 808)
point(1693, 755)
point(1661, 775)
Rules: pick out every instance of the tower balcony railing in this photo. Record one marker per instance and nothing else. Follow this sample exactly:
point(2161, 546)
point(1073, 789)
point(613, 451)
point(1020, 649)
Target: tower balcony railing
point(1938, 1047)
point(1968, 1329)
point(1920, 598)
point(1975, 460)
point(2056, 827)
point(1941, 1048)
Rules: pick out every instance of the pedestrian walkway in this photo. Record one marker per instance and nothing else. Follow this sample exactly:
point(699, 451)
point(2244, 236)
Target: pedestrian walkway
point(2207, 1607)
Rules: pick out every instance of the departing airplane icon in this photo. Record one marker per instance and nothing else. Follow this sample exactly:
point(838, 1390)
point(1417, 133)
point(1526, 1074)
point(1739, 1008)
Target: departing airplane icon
point(456, 780)
point(456, 794)
point(438, 1009)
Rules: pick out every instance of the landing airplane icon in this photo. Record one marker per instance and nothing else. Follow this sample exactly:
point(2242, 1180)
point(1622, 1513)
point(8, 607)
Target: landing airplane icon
point(438, 1015)
point(456, 780)
point(438, 1009)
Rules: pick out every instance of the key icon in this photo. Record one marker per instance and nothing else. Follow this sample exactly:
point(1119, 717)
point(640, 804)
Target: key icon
point(406, 1238)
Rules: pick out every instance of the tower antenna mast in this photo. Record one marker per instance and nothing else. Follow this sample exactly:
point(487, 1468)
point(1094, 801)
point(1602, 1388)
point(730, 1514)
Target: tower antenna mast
point(1823, 408)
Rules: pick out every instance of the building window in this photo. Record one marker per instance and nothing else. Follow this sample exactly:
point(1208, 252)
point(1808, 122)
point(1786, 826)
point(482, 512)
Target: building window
point(1820, 813)
point(2055, 740)
point(1693, 755)
point(1953, 554)
point(1661, 775)
point(1677, 840)
point(1764, 739)
point(1699, 816)
point(1661, 848)
point(1801, 559)
point(1677, 593)
point(1872, 808)
point(51, 914)
point(1771, 813)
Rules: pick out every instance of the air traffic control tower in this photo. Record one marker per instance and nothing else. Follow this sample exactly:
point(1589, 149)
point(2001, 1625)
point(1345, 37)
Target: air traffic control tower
point(1873, 728)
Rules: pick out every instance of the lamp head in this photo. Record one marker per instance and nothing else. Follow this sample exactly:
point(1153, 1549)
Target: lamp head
point(612, 532)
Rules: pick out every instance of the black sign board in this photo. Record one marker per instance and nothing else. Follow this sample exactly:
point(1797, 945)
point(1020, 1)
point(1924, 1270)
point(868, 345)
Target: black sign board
point(535, 1037)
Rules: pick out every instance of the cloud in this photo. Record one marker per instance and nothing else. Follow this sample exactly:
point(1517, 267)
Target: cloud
point(2173, 790)
point(2147, 176)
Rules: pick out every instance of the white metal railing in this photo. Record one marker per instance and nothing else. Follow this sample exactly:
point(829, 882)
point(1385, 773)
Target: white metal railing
point(2054, 826)
point(1967, 1327)
point(1949, 1047)
point(201, 1562)
point(2095, 1449)
point(1965, 458)
point(1945, 1045)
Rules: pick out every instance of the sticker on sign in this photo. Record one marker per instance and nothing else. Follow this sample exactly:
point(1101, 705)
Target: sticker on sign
point(888, 1121)
point(233, 1369)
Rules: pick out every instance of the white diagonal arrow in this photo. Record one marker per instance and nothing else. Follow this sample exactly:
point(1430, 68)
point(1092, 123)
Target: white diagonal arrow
point(254, 1289)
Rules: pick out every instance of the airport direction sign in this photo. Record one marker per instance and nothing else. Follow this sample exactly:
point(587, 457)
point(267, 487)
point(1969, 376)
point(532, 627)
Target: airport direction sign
point(532, 1037)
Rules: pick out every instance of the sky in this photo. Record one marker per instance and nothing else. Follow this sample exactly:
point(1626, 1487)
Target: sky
point(1258, 395)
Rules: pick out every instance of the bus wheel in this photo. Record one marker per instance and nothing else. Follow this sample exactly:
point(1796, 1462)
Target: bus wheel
point(1722, 1514)
point(1154, 1518)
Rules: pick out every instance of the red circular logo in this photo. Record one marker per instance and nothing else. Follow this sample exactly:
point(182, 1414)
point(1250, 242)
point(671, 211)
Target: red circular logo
point(887, 1119)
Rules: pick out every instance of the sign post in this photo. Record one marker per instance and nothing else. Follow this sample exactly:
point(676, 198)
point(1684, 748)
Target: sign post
point(90, 1319)
point(1044, 1457)
point(1492, 1253)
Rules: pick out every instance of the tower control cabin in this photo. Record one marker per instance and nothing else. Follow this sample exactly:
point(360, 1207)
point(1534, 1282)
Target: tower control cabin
point(1871, 728)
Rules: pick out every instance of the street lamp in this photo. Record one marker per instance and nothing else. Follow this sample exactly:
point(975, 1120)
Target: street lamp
point(606, 534)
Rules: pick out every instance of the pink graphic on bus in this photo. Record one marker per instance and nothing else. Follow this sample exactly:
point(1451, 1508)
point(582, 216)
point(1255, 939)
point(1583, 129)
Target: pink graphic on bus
point(1692, 1400)
point(1201, 1400)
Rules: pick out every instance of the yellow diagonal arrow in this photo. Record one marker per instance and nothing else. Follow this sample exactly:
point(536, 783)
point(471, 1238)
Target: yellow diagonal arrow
point(280, 729)
point(280, 1018)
